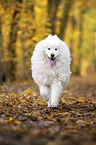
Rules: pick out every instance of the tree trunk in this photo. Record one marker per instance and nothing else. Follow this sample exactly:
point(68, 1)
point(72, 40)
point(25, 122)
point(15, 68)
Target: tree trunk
point(64, 21)
point(95, 53)
point(73, 24)
point(1, 69)
point(80, 40)
point(12, 41)
point(24, 37)
point(52, 11)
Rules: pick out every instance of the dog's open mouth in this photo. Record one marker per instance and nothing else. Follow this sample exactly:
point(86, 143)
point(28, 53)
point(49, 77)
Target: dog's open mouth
point(52, 61)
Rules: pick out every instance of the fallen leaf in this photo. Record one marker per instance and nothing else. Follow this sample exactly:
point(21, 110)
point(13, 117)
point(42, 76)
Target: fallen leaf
point(84, 122)
point(14, 122)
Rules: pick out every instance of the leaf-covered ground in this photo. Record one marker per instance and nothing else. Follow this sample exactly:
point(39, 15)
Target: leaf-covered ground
point(25, 118)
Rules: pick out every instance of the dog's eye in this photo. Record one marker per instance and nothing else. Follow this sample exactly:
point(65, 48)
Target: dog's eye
point(56, 49)
point(48, 48)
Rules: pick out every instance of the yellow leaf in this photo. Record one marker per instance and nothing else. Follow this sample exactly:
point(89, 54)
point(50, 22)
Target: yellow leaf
point(84, 122)
point(40, 118)
point(93, 102)
point(14, 122)
point(51, 115)
point(81, 101)
point(48, 122)
point(41, 102)
point(63, 100)
point(28, 91)
point(10, 119)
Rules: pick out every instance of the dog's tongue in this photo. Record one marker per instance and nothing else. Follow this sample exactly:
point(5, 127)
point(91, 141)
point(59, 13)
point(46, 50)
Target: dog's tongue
point(52, 62)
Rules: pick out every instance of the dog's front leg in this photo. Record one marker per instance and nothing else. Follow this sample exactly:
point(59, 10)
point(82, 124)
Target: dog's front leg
point(56, 90)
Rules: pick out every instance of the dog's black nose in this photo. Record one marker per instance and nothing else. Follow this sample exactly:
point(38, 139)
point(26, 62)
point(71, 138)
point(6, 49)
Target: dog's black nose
point(52, 55)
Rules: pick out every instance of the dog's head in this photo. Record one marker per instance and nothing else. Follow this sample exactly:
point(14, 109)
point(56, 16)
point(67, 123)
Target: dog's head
point(52, 50)
point(52, 53)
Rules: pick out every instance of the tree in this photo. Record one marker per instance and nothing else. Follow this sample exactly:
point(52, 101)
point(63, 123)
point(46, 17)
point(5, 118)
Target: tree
point(12, 40)
point(73, 27)
point(67, 8)
point(1, 70)
point(52, 11)
point(25, 36)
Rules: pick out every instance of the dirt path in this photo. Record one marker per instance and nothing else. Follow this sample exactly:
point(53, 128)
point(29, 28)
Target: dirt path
point(26, 120)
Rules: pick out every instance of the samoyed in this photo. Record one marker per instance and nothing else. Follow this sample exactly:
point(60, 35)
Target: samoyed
point(51, 68)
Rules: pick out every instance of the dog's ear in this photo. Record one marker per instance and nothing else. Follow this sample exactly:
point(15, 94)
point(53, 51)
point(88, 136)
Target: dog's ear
point(50, 35)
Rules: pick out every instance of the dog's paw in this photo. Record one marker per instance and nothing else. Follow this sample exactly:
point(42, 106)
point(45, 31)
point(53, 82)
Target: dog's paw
point(54, 105)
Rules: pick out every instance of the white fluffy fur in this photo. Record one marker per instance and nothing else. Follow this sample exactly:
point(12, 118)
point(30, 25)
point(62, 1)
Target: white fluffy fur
point(51, 79)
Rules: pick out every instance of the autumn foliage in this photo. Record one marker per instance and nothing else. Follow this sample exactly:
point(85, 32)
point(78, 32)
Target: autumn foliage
point(23, 23)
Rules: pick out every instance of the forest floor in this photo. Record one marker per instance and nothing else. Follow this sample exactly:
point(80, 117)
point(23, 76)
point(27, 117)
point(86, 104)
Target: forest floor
point(25, 118)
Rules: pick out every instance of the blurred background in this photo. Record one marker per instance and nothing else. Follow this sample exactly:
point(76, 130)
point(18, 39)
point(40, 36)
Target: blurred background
point(23, 23)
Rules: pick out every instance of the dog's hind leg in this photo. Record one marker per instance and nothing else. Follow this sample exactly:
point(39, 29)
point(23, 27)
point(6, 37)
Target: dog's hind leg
point(49, 101)
point(44, 92)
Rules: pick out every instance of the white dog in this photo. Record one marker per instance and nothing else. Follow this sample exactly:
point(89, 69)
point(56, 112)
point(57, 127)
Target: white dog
point(51, 68)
